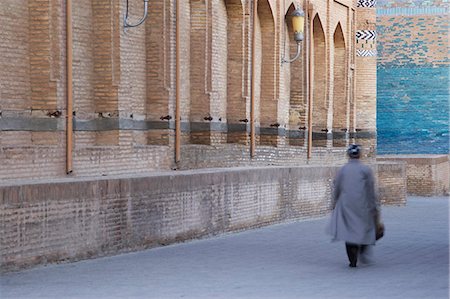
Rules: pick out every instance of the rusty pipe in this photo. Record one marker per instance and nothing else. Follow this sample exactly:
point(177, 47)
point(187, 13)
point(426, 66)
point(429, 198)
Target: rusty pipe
point(310, 82)
point(253, 82)
point(69, 87)
point(178, 87)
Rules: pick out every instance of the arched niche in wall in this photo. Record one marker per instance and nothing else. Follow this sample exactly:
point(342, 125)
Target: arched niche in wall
point(320, 105)
point(156, 56)
point(268, 101)
point(106, 68)
point(294, 76)
point(157, 33)
point(199, 72)
point(219, 68)
point(236, 98)
point(185, 58)
point(208, 71)
point(133, 89)
point(340, 99)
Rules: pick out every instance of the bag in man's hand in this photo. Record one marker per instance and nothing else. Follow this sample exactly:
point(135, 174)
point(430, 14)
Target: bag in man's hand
point(380, 231)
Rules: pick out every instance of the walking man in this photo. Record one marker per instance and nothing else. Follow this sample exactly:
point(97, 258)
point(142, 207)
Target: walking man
point(355, 208)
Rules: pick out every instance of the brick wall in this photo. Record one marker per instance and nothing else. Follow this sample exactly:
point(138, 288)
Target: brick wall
point(200, 156)
point(365, 69)
point(73, 219)
point(427, 175)
point(124, 83)
point(159, 45)
point(219, 54)
point(391, 177)
point(199, 62)
point(15, 91)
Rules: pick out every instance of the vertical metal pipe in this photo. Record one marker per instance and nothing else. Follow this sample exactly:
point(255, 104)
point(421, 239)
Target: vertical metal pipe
point(69, 86)
point(252, 99)
point(310, 83)
point(353, 99)
point(178, 86)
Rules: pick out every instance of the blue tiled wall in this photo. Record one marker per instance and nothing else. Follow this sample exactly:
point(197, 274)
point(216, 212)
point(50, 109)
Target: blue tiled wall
point(413, 110)
point(410, 11)
point(413, 78)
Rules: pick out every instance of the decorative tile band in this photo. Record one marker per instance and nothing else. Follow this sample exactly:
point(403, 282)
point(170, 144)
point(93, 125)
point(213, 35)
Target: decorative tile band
point(366, 53)
point(366, 3)
point(366, 35)
point(412, 11)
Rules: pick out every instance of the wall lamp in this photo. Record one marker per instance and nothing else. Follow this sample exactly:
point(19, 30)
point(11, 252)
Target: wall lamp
point(125, 18)
point(298, 24)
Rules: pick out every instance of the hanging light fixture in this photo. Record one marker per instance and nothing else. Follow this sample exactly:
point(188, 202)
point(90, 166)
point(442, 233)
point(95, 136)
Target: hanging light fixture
point(298, 24)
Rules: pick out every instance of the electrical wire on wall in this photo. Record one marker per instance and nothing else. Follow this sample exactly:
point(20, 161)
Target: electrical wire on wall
point(125, 19)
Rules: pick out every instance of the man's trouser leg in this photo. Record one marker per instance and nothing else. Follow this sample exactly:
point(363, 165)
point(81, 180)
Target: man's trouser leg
point(352, 253)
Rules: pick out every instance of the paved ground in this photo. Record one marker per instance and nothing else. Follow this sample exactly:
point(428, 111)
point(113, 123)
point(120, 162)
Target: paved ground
point(294, 260)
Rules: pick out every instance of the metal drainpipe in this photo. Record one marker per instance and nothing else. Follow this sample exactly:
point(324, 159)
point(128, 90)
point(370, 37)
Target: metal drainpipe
point(310, 81)
point(252, 100)
point(178, 88)
point(353, 99)
point(69, 85)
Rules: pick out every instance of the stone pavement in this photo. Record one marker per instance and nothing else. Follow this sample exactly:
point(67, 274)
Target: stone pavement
point(293, 260)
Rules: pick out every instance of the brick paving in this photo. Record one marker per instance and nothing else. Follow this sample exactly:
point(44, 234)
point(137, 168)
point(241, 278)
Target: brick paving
point(293, 260)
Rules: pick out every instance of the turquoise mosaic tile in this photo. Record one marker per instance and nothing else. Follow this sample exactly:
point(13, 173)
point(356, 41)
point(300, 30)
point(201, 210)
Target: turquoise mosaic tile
point(411, 11)
point(413, 110)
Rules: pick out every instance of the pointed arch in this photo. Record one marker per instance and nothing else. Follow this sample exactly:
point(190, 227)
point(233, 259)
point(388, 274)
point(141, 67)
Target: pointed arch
point(338, 31)
point(157, 69)
point(294, 80)
point(340, 104)
point(268, 102)
point(320, 105)
point(218, 56)
point(198, 57)
point(236, 97)
point(208, 71)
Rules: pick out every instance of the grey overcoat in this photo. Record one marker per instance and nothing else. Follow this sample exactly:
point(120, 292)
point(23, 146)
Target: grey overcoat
point(355, 205)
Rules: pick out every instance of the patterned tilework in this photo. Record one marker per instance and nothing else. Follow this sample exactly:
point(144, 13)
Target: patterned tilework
point(366, 53)
point(366, 3)
point(413, 40)
point(366, 43)
point(366, 35)
point(411, 3)
point(413, 79)
point(413, 110)
point(408, 11)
